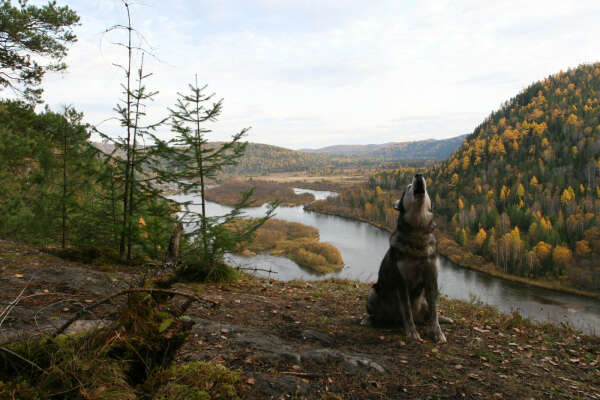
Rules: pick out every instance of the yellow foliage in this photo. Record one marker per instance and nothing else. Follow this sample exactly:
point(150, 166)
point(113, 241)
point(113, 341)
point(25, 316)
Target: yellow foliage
point(561, 255)
point(567, 195)
point(542, 250)
point(480, 237)
point(539, 129)
point(533, 182)
point(454, 179)
point(466, 161)
point(504, 193)
point(582, 248)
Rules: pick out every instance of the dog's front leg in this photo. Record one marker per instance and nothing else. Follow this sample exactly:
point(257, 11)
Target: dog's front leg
point(431, 293)
point(407, 316)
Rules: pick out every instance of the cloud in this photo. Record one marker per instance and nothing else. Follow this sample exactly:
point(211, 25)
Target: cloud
point(310, 73)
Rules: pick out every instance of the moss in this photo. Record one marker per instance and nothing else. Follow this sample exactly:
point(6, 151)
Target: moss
point(194, 381)
point(105, 364)
point(71, 371)
point(183, 392)
point(215, 273)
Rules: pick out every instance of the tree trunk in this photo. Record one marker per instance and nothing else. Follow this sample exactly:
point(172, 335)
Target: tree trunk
point(173, 251)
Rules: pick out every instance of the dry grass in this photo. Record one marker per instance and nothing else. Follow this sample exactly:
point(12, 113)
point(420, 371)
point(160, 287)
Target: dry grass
point(297, 242)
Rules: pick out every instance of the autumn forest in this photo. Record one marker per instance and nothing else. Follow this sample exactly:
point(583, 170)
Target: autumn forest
point(522, 191)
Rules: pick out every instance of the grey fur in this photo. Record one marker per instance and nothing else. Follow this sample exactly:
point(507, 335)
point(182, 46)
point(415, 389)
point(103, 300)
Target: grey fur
point(406, 290)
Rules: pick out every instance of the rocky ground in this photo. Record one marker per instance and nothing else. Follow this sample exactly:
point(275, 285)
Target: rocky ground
point(304, 339)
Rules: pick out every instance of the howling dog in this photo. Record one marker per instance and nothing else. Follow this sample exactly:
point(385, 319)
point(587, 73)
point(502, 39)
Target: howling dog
point(406, 290)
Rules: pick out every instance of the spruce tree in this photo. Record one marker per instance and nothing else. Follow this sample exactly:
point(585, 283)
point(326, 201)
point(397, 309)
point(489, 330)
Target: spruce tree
point(133, 152)
point(195, 162)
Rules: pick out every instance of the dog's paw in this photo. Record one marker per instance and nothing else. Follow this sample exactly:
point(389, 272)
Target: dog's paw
point(439, 336)
point(415, 336)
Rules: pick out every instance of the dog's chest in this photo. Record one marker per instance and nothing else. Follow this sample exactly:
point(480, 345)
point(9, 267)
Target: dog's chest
point(414, 272)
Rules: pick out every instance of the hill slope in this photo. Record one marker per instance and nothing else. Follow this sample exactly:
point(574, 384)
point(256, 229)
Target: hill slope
point(281, 339)
point(522, 194)
point(523, 190)
point(420, 149)
point(265, 159)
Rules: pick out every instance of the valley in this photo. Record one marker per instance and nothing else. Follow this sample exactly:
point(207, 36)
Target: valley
point(196, 199)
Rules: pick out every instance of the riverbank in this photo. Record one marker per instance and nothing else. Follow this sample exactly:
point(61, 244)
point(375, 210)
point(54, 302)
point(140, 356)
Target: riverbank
point(272, 339)
point(453, 251)
point(298, 242)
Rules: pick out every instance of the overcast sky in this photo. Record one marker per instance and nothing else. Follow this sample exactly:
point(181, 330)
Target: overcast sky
point(307, 74)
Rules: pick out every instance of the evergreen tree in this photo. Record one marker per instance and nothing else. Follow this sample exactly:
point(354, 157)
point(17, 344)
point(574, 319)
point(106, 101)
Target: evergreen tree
point(72, 165)
point(131, 153)
point(29, 36)
point(194, 162)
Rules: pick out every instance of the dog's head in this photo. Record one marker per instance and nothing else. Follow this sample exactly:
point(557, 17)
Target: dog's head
point(415, 204)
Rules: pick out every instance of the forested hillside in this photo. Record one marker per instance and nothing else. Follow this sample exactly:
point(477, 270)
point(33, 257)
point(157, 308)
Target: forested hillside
point(421, 149)
point(523, 191)
point(265, 159)
point(262, 159)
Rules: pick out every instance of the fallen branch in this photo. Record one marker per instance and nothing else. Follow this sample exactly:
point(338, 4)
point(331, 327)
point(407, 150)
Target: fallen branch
point(124, 292)
point(305, 374)
point(255, 269)
point(12, 304)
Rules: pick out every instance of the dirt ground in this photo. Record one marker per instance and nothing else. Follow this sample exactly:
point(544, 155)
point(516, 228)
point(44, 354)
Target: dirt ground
point(304, 339)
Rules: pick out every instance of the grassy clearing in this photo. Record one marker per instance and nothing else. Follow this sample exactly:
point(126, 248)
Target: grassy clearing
point(229, 193)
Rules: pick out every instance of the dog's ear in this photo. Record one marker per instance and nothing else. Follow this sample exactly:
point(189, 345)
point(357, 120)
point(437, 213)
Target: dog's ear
point(398, 204)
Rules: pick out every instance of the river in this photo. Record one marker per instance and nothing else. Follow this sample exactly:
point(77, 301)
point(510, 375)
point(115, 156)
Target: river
point(363, 246)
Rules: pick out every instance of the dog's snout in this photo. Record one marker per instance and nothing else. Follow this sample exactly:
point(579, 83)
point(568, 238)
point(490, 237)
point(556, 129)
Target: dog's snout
point(419, 184)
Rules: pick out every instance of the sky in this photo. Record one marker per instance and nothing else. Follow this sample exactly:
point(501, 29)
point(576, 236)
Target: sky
point(314, 73)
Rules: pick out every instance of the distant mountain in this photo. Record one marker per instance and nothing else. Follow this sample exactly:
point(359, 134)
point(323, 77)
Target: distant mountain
point(265, 159)
point(431, 149)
